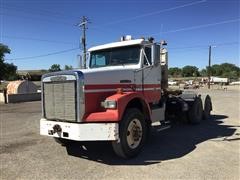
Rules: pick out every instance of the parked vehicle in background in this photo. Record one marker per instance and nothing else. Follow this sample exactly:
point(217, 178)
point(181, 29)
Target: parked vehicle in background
point(172, 83)
point(235, 83)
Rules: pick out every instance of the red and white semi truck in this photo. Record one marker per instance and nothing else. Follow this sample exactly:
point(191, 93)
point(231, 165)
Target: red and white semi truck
point(117, 98)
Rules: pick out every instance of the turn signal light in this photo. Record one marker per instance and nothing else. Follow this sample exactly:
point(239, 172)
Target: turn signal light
point(119, 90)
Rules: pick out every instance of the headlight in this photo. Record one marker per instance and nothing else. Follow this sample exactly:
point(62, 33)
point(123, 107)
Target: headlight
point(109, 104)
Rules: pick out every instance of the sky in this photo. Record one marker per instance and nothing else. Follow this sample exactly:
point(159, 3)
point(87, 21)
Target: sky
point(44, 32)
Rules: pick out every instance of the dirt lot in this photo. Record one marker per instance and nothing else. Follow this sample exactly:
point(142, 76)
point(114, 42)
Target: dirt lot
point(206, 151)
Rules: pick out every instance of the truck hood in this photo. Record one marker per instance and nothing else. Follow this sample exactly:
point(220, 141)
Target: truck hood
point(109, 75)
point(101, 76)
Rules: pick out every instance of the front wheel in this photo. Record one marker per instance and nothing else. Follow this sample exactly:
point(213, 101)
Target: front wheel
point(132, 134)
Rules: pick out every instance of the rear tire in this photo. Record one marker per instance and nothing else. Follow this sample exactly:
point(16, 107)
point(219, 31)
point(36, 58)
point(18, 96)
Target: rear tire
point(207, 108)
point(132, 134)
point(195, 113)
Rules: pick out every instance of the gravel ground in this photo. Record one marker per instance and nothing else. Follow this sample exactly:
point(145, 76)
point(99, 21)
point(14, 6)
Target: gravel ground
point(206, 151)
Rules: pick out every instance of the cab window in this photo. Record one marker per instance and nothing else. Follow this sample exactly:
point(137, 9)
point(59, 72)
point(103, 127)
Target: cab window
point(148, 54)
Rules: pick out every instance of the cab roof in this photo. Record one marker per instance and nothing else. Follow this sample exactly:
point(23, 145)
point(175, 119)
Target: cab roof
point(118, 44)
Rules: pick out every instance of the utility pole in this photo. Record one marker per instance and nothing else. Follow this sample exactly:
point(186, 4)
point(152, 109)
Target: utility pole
point(83, 25)
point(209, 65)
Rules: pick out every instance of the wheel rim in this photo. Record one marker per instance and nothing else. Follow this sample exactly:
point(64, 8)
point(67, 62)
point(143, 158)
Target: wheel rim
point(134, 133)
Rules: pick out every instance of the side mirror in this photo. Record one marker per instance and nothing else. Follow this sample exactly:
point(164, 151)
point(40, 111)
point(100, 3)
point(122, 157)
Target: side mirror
point(164, 57)
point(155, 54)
point(80, 61)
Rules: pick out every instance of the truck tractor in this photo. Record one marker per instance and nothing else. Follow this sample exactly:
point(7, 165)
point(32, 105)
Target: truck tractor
point(121, 93)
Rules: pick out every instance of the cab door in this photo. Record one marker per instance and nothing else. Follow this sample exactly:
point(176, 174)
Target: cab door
point(151, 79)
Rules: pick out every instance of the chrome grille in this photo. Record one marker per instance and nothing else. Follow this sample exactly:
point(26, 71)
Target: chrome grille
point(60, 100)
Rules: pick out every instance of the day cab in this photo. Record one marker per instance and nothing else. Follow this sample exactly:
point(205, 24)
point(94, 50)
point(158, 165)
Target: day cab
point(116, 98)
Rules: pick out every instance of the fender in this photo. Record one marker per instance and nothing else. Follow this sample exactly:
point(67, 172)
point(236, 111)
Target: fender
point(115, 115)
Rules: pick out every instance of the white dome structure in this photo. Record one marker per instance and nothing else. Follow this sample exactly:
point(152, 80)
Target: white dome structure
point(21, 87)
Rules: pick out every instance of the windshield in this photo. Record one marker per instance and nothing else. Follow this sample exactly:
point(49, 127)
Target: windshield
point(115, 56)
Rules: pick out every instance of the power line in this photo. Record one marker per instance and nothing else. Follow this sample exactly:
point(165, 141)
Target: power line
point(63, 23)
point(43, 55)
point(188, 47)
point(37, 11)
point(133, 18)
point(185, 47)
point(155, 12)
point(47, 20)
point(225, 44)
point(204, 46)
point(114, 22)
point(199, 26)
point(39, 18)
point(36, 39)
point(140, 16)
point(136, 17)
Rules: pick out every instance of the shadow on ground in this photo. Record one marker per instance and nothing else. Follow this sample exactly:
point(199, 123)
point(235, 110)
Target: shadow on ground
point(172, 143)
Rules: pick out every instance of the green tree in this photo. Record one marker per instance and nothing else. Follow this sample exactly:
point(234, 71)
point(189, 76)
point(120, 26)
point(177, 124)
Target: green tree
point(230, 71)
point(55, 67)
point(68, 67)
point(7, 71)
point(226, 70)
point(175, 72)
point(216, 70)
point(3, 50)
point(203, 73)
point(190, 71)
point(10, 72)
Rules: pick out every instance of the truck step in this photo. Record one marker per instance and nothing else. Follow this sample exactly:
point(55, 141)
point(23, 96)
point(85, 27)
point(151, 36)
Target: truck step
point(162, 127)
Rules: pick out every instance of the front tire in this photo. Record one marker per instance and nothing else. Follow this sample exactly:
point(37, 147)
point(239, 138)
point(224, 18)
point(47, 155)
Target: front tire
point(132, 134)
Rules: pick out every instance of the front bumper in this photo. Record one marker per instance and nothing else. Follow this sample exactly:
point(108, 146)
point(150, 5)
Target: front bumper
point(80, 132)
